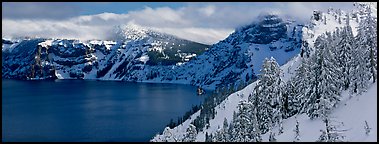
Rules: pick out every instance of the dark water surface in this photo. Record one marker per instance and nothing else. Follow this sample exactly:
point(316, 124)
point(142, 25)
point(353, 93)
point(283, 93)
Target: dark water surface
point(78, 110)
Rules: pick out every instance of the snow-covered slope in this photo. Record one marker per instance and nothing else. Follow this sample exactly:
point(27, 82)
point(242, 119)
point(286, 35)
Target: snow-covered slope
point(350, 110)
point(228, 106)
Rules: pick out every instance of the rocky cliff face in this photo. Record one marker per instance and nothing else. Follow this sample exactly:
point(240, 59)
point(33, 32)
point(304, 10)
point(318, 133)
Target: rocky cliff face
point(144, 55)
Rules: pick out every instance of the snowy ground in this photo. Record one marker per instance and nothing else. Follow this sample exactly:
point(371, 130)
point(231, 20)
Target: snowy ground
point(352, 112)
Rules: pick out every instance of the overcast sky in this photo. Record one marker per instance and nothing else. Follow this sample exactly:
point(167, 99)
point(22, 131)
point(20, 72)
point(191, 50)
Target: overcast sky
point(201, 22)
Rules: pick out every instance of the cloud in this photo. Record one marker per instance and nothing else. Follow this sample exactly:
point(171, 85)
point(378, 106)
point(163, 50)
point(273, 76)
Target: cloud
point(208, 11)
point(202, 35)
point(162, 16)
point(39, 10)
point(202, 22)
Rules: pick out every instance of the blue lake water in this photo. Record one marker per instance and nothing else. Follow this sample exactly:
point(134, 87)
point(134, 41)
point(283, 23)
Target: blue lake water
point(79, 110)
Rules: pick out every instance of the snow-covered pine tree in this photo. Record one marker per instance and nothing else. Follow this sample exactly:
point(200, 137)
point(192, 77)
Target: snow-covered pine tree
point(291, 103)
point(367, 128)
point(367, 38)
point(344, 50)
point(331, 133)
point(297, 131)
point(301, 85)
point(272, 137)
point(191, 133)
point(218, 137)
point(240, 121)
point(325, 86)
point(222, 134)
point(305, 49)
point(244, 124)
point(360, 72)
point(225, 133)
point(231, 131)
point(267, 95)
point(208, 138)
point(167, 135)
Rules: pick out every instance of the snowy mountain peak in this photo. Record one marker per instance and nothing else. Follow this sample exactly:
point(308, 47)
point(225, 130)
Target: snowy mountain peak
point(130, 31)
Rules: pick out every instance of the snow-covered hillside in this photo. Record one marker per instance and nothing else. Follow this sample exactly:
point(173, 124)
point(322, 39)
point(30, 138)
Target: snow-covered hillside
point(351, 112)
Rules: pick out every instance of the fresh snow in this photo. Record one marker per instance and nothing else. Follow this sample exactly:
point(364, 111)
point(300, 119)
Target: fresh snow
point(352, 111)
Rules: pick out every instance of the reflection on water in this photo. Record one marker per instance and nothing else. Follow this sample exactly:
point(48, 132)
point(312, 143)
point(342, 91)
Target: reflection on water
point(77, 110)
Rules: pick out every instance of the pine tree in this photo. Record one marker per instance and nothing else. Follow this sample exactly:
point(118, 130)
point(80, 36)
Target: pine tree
point(325, 86)
point(243, 131)
point(272, 137)
point(218, 137)
point(167, 135)
point(344, 51)
point(297, 131)
point(208, 138)
point(367, 38)
point(305, 49)
point(231, 130)
point(191, 133)
point(360, 72)
point(300, 86)
point(331, 133)
point(225, 133)
point(267, 95)
point(367, 128)
point(222, 134)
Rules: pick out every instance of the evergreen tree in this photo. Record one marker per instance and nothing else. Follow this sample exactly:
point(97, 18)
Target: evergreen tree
point(272, 137)
point(331, 133)
point(360, 73)
point(218, 137)
point(191, 134)
point(300, 86)
point(367, 128)
point(245, 124)
point(225, 131)
point(267, 95)
point(231, 130)
point(297, 131)
point(325, 86)
point(222, 134)
point(208, 138)
point(344, 51)
point(305, 49)
point(367, 39)
point(167, 135)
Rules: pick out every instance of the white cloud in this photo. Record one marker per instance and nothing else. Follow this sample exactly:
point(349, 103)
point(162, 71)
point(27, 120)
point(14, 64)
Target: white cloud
point(208, 11)
point(202, 35)
point(207, 23)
